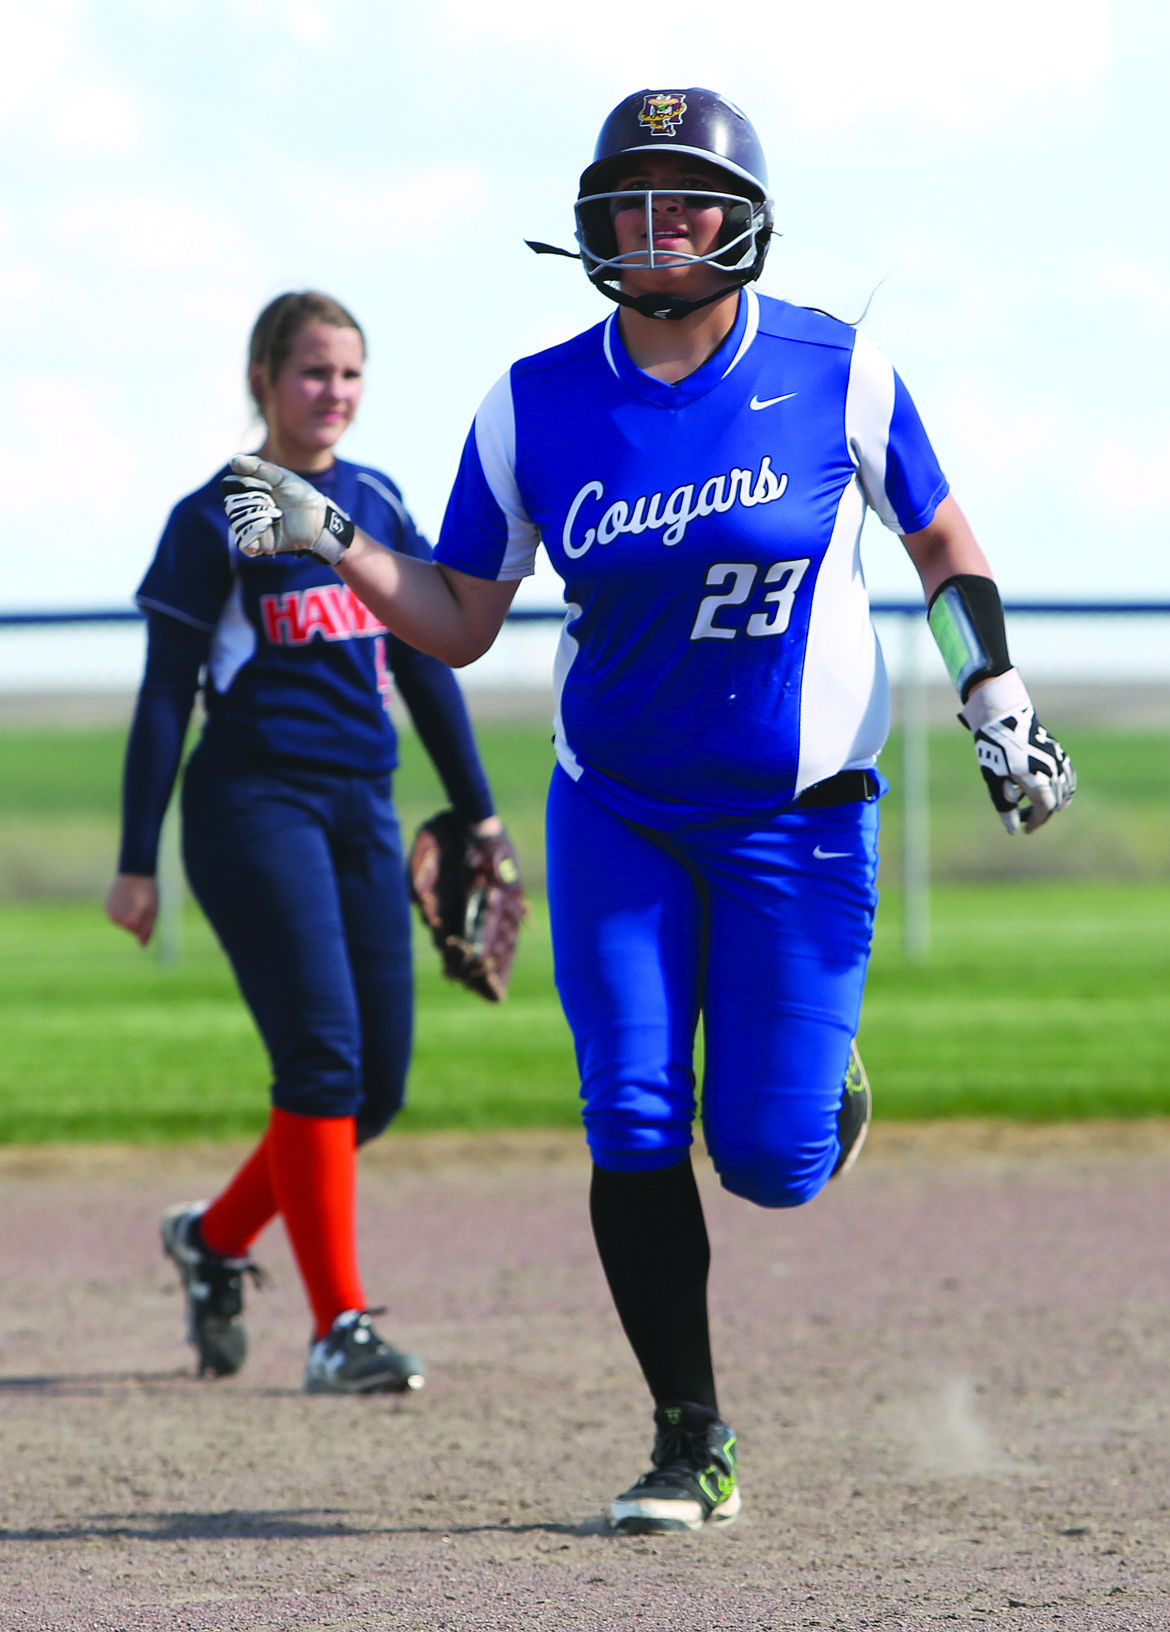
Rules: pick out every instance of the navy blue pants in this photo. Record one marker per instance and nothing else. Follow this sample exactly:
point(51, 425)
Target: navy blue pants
point(301, 876)
point(763, 928)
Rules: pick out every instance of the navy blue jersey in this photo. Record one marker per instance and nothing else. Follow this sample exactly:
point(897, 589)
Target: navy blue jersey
point(296, 669)
point(718, 650)
point(298, 666)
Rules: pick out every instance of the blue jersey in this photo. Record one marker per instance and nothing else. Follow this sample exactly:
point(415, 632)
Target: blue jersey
point(297, 667)
point(718, 652)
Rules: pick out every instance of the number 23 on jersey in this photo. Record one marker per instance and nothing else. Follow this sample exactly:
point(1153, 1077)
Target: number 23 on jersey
point(740, 579)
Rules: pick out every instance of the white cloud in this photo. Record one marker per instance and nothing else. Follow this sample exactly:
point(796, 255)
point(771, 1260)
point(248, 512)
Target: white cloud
point(51, 78)
point(91, 473)
point(101, 118)
point(1136, 284)
point(37, 39)
point(59, 451)
point(149, 232)
point(32, 286)
point(1004, 450)
point(1130, 475)
point(307, 22)
point(400, 211)
point(832, 65)
point(1118, 473)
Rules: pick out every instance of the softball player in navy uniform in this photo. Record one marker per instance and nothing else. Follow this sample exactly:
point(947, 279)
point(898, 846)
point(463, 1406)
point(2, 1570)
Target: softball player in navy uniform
point(698, 468)
point(291, 843)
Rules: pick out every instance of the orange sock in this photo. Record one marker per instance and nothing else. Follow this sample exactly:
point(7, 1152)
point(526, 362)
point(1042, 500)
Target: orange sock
point(238, 1214)
point(313, 1161)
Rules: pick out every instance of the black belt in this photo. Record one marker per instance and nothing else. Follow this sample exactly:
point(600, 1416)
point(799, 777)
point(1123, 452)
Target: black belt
point(843, 789)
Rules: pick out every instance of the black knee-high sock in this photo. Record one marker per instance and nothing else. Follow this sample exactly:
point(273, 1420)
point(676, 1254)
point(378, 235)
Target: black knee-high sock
point(652, 1239)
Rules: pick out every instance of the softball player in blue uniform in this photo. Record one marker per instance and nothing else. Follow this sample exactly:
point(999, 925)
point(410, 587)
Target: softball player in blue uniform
point(698, 468)
point(291, 843)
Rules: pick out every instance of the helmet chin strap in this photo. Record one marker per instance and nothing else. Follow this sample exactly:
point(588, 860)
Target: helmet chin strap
point(670, 308)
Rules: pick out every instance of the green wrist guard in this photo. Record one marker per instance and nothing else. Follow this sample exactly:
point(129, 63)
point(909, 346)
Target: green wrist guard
point(966, 620)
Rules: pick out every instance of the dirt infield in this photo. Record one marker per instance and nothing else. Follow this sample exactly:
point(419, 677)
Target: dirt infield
point(949, 1378)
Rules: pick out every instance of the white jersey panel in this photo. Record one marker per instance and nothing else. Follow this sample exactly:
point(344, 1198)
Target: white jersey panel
point(752, 323)
point(844, 695)
point(567, 649)
point(869, 411)
point(234, 642)
point(495, 442)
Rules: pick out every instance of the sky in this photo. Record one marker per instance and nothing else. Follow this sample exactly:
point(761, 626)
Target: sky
point(990, 180)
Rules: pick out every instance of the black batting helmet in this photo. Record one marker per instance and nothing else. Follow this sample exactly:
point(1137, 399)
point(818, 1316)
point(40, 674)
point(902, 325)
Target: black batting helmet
point(706, 126)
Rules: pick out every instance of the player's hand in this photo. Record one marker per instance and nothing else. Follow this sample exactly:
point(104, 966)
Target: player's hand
point(273, 512)
point(132, 902)
point(1028, 773)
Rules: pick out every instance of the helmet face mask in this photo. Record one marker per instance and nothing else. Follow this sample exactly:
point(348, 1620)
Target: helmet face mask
point(740, 248)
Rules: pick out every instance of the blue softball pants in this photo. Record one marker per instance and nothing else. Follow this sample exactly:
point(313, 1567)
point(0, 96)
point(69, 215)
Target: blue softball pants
point(301, 875)
point(763, 928)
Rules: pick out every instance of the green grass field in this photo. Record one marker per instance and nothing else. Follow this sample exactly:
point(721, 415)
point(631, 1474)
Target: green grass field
point(1040, 1001)
point(1046, 996)
point(60, 792)
point(59, 807)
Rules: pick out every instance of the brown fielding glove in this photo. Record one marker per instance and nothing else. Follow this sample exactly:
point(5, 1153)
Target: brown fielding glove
point(468, 891)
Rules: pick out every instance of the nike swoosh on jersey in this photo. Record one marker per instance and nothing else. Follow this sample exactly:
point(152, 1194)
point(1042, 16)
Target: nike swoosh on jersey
point(830, 855)
point(770, 402)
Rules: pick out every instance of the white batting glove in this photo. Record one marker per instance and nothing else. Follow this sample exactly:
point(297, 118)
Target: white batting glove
point(1019, 760)
point(272, 512)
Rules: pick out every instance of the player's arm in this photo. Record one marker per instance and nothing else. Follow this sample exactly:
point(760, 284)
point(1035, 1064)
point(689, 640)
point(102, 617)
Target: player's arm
point(449, 614)
point(1027, 772)
point(439, 715)
point(944, 548)
point(175, 653)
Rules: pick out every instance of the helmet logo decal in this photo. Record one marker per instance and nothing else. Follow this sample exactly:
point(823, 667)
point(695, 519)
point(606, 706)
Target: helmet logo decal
point(662, 112)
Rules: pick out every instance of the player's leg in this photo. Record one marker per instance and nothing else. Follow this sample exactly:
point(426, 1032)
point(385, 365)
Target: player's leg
point(853, 1118)
point(258, 856)
point(370, 870)
point(236, 1217)
point(316, 1178)
point(210, 1245)
point(627, 943)
point(791, 923)
point(258, 862)
point(375, 908)
point(628, 939)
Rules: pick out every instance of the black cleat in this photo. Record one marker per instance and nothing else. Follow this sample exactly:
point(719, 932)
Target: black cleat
point(693, 1480)
point(352, 1359)
point(854, 1115)
point(214, 1289)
